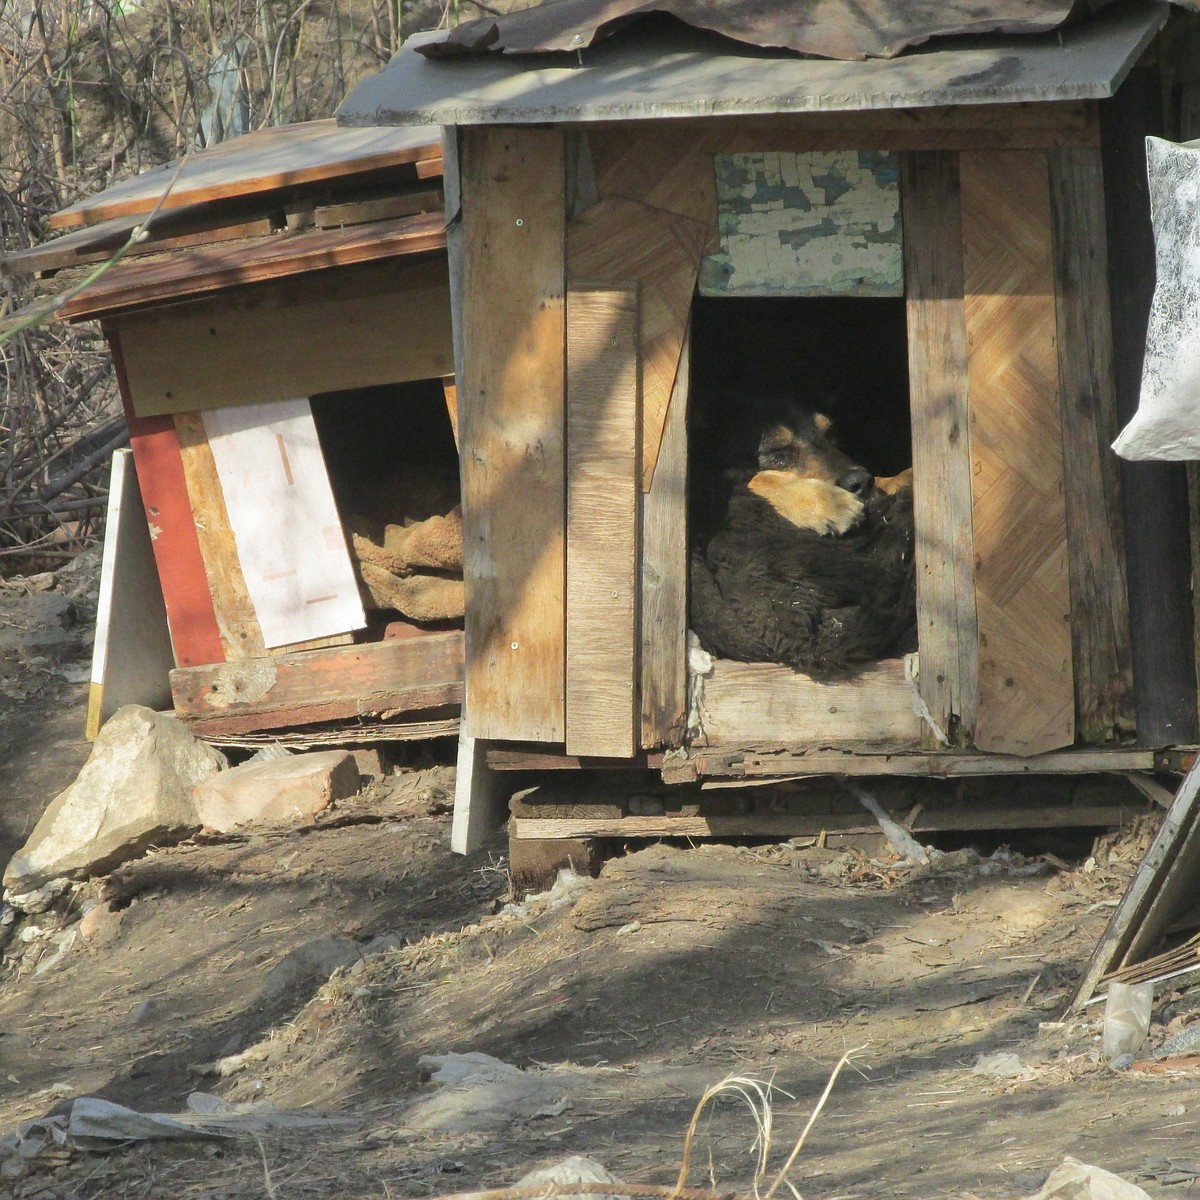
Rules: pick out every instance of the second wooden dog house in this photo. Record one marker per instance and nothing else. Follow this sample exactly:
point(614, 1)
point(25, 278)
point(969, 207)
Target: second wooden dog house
point(283, 348)
point(963, 184)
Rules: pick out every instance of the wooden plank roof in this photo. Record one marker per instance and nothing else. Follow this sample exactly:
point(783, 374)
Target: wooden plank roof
point(263, 161)
point(188, 273)
point(684, 73)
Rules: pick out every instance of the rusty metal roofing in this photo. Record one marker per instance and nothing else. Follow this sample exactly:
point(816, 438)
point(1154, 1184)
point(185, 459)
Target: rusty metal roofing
point(826, 28)
point(681, 72)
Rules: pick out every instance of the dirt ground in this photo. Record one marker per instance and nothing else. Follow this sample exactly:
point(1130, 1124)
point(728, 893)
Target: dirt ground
point(675, 968)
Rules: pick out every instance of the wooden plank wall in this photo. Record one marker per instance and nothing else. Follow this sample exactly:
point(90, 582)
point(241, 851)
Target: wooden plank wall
point(603, 519)
point(937, 351)
point(1022, 592)
point(511, 409)
point(1104, 698)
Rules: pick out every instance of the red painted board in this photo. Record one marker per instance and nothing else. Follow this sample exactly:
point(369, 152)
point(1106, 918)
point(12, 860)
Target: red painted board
point(190, 616)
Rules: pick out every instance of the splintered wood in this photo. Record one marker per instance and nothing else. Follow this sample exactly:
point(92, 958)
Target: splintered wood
point(511, 418)
point(603, 491)
point(1026, 690)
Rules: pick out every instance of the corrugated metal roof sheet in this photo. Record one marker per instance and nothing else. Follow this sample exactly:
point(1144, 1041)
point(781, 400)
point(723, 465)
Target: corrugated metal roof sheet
point(828, 28)
point(680, 72)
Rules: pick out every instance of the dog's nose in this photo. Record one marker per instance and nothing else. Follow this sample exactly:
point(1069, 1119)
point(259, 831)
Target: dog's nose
point(859, 481)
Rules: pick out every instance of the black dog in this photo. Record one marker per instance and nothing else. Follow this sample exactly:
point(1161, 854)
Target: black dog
point(811, 564)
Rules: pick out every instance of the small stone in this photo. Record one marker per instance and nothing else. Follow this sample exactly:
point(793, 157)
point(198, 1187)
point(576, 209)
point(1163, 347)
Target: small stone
point(40, 899)
point(289, 790)
point(309, 965)
point(1174, 1110)
point(370, 763)
point(100, 925)
point(14, 1168)
point(146, 1011)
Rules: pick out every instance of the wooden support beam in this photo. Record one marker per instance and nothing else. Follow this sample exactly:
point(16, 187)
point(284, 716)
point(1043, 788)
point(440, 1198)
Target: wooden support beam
point(511, 410)
point(479, 797)
point(664, 576)
point(1018, 511)
point(400, 675)
point(603, 518)
point(1096, 543)
point(937, 354)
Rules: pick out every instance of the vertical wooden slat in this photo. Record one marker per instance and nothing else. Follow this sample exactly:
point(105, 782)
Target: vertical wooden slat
point(511, 421)
point(195, 637)
point(603, 494)
point(241, 636)
point(1099, 604)
point(937, 353)
point(665, 576)
point(1022, 591)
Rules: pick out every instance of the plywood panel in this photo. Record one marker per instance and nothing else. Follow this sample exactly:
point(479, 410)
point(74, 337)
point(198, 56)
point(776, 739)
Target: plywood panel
point(236, 619)
point(937, 354)
point(619, 240)
point(1096, 545)
point(511, 410)
point(287, 535)
point(1026, 690)
point(603, 493)
point(665, 577)
point(195, 637)
point(747, 704)
point(210, 355)
point(131, 659)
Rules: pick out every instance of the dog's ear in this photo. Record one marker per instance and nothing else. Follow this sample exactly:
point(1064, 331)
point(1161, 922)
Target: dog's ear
point(823, 422)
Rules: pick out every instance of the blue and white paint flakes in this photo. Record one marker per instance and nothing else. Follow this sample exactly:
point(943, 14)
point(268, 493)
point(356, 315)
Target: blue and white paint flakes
point(811, 224)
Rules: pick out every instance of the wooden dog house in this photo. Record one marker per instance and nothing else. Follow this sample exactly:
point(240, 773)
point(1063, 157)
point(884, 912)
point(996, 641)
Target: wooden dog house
point(589, 184)
point(289, 275)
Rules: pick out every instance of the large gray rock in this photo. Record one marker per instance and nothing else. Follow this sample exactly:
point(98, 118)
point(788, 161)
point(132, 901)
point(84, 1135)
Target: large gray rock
point(134, 792)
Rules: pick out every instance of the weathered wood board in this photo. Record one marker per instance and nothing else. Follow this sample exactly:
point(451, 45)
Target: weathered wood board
point(1096, 543)
point(218, 267)
point(287, 534)
point(400, 675)
point(268, 159)
point(131, 657)
point(603, 520)
point(391, 325)
point(937, 357)
point(767, 704)
point(511, 415)
point(1022, 590)
point(664, 577)
point(237, 621)
point(806, 224)
point(195, 637)
point(619, 240)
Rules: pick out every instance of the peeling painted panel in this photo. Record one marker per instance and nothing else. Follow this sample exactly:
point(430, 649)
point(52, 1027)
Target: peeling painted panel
point(816, 224)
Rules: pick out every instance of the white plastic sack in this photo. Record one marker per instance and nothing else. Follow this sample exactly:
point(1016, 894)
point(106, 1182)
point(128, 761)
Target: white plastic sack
point(1074, 1180)
point(1166, 425)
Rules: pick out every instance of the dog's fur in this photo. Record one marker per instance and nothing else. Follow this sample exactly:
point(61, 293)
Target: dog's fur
point(801, 571)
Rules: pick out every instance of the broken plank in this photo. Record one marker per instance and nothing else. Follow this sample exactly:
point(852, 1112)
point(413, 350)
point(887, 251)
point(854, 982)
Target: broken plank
point(131, 658)
point(603, 493)
point(1165, 880)
point(664, 576)
point(390, 677)
point(511, 415)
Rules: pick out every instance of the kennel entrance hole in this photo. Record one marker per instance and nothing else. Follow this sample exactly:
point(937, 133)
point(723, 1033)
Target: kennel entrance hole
point(846, 356)
point(391, 458)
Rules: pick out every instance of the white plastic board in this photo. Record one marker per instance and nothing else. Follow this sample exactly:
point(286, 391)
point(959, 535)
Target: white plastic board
point(132, 657)
point(289, 537)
